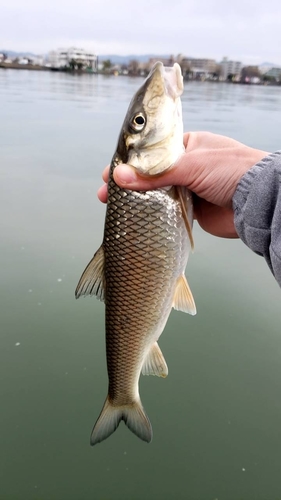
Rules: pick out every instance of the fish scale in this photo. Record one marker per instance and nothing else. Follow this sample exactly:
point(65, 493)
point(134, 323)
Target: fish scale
point(142, 284)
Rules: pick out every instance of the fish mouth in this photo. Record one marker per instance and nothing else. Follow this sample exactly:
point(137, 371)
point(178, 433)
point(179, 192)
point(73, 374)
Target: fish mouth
point(171, 77)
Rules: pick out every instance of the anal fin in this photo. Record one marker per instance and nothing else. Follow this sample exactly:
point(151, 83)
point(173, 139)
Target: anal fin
point(183, 298)
point(154, 363)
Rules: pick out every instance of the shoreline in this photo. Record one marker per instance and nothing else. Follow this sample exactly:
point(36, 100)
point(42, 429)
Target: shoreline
point(37, 67)
point(34, 67)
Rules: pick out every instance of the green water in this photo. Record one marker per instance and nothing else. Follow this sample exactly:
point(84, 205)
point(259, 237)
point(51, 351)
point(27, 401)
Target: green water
point(216, 418)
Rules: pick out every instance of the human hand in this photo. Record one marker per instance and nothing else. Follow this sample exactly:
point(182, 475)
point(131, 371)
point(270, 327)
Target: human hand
point(210, 167)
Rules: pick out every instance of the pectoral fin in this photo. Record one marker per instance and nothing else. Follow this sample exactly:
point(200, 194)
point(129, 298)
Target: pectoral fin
point(183, 299)
point(92, 281)
point(183, 202)
point(154, 363)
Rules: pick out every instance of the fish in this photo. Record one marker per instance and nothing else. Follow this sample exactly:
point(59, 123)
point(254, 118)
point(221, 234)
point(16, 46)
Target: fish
point(138, 271)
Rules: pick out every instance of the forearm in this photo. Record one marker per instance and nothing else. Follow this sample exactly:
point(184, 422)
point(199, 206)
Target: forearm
point(257, 210)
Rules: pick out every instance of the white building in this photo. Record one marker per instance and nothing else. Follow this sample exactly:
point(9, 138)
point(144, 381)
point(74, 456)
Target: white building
point(80, 58)
point(199, 65)
point(37, 59)
point(230, 68)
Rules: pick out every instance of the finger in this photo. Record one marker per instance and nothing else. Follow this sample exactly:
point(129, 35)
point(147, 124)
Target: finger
point(102, 193)
point(213, 219)
point(127, 177)
point(105, 173)
point(208, 141)
point(186, 138)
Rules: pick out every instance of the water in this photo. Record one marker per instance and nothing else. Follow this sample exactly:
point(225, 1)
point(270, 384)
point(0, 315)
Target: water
point(216, 418)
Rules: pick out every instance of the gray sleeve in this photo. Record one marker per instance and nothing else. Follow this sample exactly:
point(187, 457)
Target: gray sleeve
point(257, 210)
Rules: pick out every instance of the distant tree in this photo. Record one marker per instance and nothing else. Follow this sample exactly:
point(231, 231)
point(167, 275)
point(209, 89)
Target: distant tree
point(133, 67)
point(106, 65)
point(171, 60)
point(218, 71)
point(146, 68)
point(185, 67)
point(72, 64)
point(230, 77)
point(269, 79)
point(249, 72)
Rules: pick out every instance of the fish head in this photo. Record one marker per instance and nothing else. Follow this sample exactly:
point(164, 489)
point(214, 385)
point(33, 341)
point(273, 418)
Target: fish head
point(151, 138)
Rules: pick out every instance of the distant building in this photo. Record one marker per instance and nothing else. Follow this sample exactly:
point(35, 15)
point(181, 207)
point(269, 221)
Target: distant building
point(73, 56)
point(200, 65)
point(250, 74)
point(23, 60)
point(230, 69)
point(166, 61)
point(265, 67)
point(274, 73)
point(37, 60)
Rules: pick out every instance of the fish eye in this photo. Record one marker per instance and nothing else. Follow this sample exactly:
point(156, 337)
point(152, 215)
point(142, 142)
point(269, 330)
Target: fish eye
point(138, 122)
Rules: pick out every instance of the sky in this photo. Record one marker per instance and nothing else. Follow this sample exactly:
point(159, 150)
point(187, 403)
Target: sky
point(243, 30)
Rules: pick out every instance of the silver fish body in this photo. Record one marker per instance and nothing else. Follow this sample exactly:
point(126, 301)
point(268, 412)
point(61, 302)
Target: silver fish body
point(139, 273)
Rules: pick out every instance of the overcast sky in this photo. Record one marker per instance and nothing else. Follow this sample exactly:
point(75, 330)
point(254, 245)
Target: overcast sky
point(244, 30)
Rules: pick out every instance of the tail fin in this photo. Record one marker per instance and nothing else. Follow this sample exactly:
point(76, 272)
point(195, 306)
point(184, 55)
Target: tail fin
point(111, 416)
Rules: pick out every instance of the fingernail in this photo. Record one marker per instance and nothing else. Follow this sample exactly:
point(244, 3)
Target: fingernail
point(125, 174)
